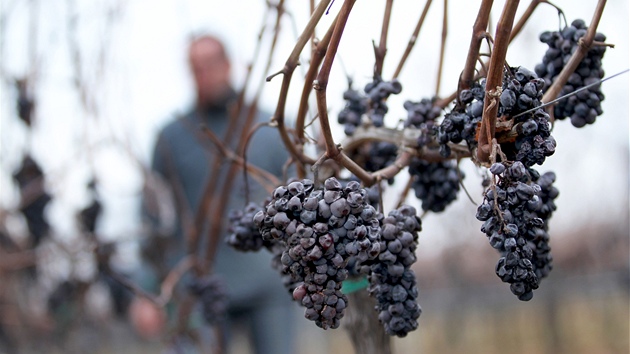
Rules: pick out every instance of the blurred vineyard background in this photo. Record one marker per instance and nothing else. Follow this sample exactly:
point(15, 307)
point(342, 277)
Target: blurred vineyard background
point(582, 308)
point(108, 74)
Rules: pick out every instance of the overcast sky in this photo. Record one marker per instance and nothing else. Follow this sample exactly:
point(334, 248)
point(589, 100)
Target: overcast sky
point(132, 56)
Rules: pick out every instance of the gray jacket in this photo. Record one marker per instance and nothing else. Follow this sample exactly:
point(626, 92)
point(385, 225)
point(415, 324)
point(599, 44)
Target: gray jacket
point(183, 155)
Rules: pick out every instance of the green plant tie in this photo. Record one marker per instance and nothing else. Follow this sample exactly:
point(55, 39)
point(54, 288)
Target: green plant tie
point(351, 285)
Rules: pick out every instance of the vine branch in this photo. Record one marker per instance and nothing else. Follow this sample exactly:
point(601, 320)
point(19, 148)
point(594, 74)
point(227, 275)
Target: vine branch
point(479, 32)
point(442, 48)
point(381, 50)
point(316, 59)
point(524, 18)
point(287, 72)
point(495, 79)
point(412, 40)
point(321, 82)
point(217, 219)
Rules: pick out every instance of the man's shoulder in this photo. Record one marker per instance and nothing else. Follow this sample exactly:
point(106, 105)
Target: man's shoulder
point(176, 125)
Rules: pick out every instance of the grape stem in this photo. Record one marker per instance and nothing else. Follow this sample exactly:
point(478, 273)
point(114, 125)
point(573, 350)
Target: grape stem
point(315, 168)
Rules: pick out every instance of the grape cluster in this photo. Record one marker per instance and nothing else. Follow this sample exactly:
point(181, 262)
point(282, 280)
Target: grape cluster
point(392, 282)
point(25, 102)
point(320, 230)
point(89, 215)
point(514, 227)
point(377, 93)
point(583, 107)
point(382, 155)
point(435, 183)
point(356, 106)
point(376, 155)
point(29, 172)
point(522, 91)
point(373, 103)
point(30, 180)
point(422, 115)
point(461, 124)
point(63, 294)
point(423, 112)
point(243, 234)
point(212, 293)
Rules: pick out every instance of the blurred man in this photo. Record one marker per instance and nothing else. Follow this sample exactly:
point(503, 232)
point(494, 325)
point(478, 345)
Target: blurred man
point(183, 156)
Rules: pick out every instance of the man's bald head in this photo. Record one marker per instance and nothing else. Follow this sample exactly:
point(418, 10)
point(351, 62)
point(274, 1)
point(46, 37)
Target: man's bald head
point(211, 70)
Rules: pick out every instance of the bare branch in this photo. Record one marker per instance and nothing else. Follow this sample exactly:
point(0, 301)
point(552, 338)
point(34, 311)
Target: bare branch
point(173, 277)
point(10, 262)
point(412, 40)
point(217, 219)
point(131, 286)
point(266, 179)
point(405, 192)
point(442, 48)
point(316, 59)
point(321, 82)
point(287, 72)
point(524, 18)
point(381, 50)
point(392, 170)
